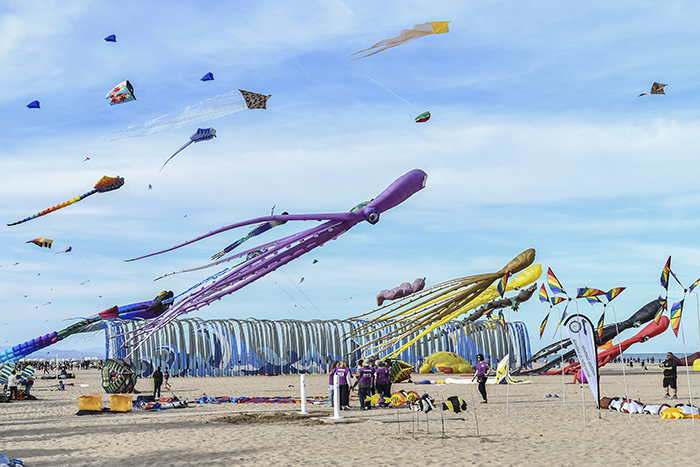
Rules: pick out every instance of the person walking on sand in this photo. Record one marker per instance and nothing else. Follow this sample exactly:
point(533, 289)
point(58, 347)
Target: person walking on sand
point(482, 370)
point(670, 375)
point(344, 380)
point(157, 382)
point(166, 376)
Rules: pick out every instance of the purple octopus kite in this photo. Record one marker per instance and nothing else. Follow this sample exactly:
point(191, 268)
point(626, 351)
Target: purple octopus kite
point(404, 290)
point(279, 252)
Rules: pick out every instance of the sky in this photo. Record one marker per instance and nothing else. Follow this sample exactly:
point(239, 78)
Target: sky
point(537, 140)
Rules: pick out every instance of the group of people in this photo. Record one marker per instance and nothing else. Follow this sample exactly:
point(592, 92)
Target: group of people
point(373, 377)
point(13, 383)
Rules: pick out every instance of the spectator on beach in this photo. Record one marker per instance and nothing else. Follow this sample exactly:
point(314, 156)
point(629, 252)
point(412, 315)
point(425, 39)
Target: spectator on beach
point(670, 375)
point(166, 376)
point(13, 382)
point(157, 382)
point(482, 370)
point(382, 377)
point(344, 380)
point(331, 381)
point(28, 383)
point(365, 378)
point(61, 386)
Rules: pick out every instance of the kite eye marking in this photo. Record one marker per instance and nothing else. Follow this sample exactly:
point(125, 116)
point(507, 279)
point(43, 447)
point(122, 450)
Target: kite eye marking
point(372, 217)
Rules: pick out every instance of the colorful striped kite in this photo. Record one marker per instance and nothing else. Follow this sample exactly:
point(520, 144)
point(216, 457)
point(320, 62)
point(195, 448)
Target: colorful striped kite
point(407, 35)
point(554, 284)
point(661, 310)
point(612, 293)
point(664, 274)
point(693, 285)
point(585, 292)
point(42, 242)
point(502, 284)
point(104, 185)
point(502, 318)
point(543, 294)
point(557, 300)
point(599, 327)
point(544, 324)
point(561, 320)
point(676, 312)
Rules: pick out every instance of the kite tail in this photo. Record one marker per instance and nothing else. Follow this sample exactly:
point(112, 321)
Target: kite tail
point(56, 208)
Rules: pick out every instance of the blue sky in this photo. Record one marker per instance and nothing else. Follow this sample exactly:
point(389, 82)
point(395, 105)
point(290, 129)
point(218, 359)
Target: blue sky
point(537, 140)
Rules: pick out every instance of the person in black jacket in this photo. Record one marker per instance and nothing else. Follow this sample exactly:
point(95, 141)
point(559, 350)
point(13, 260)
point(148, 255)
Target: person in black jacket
point(157, 382)
point(670, 375)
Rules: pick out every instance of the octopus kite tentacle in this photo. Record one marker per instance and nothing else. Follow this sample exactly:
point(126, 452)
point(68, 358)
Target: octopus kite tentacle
point(280, 252)
point(437, 305)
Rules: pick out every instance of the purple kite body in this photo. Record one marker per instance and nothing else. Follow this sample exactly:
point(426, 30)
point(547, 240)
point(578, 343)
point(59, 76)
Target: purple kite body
point(278, 253)
point(404, 290)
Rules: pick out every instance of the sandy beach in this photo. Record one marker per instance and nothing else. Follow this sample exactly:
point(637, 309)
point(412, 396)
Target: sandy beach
point(536, 430)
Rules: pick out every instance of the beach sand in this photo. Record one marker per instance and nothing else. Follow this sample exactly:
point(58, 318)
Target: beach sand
point(530, 429)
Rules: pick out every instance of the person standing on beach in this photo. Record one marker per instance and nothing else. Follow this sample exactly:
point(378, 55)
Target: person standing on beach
point(13, 382)
point(344, 380)
point(157, 382)
point(482, 370)
point(365, 377)
point(331, 383)
point(166, 376)
point(670, 375)
point(383, 381)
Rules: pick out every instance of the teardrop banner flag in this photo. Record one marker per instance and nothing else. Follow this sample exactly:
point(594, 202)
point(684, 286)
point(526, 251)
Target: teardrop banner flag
point(582, 334)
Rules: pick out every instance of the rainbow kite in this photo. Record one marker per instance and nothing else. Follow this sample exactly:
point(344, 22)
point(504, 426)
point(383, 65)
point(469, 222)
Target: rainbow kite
point(661, 310)
point(599, 327)
point(554, 284)
point(501, 287)
point(544, 324)
point(104, 185)
point(543, 294)
point(676, 311)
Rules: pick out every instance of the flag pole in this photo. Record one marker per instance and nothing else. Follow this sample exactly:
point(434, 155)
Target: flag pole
point(687, 371)
point(622, 362)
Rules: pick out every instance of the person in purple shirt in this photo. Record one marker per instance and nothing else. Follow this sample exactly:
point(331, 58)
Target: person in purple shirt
point(365, 376)
point(382, 377)
point(331, 383)
point(482, 370)
point(344, 380)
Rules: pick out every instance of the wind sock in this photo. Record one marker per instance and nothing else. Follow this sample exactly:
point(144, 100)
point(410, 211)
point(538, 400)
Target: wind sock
point(501, 287)
point(104, 185)
point(554, 284)
point(676, 311)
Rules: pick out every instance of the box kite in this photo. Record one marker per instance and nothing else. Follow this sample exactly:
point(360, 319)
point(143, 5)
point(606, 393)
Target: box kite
point(118, 376)
point(407, 35)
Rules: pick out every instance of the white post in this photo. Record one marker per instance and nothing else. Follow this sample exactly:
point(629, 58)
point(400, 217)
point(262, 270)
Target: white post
point(336, 399)
point(622, 360)
point(302, 378)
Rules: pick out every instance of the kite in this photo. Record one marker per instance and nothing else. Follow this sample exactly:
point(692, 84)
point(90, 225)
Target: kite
point(656, 88)
point(454, 404)
point(404, 290)
point(422, 118)
point(544, 324)
point(208, 77)
point(301, 280)
point(501, 287)
point(202, 134)
point(122, 92)
point(118, 376)
point(554, 284)
point(135, 311)
point(209, 109)
point(260, 229)
point(104, 185)
point(111, 38)
point(422, 312)
point(67, 250)
point(42, 242)
point(277, 253)
point(34, 105)
point(407, 35)
point(676, 312)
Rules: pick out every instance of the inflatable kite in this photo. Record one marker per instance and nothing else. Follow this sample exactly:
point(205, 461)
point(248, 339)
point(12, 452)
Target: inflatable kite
point(455, 404)
point(122, 92)
point(656, 88)
point(400, 370)
point(429, 309)
point(111, 38)
point(135, 311)
point(422, 118)
point(202, 134)
point(407, 35)
point(34, 105)
point(104, 185)
point(447, 362)
point(42, 242)
point(642, 316)
point(424, 404)
point(404, 290)
point(208, 77)
point(118, 376)
point(209, 109)
point(260, 229)
point(279, 252)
